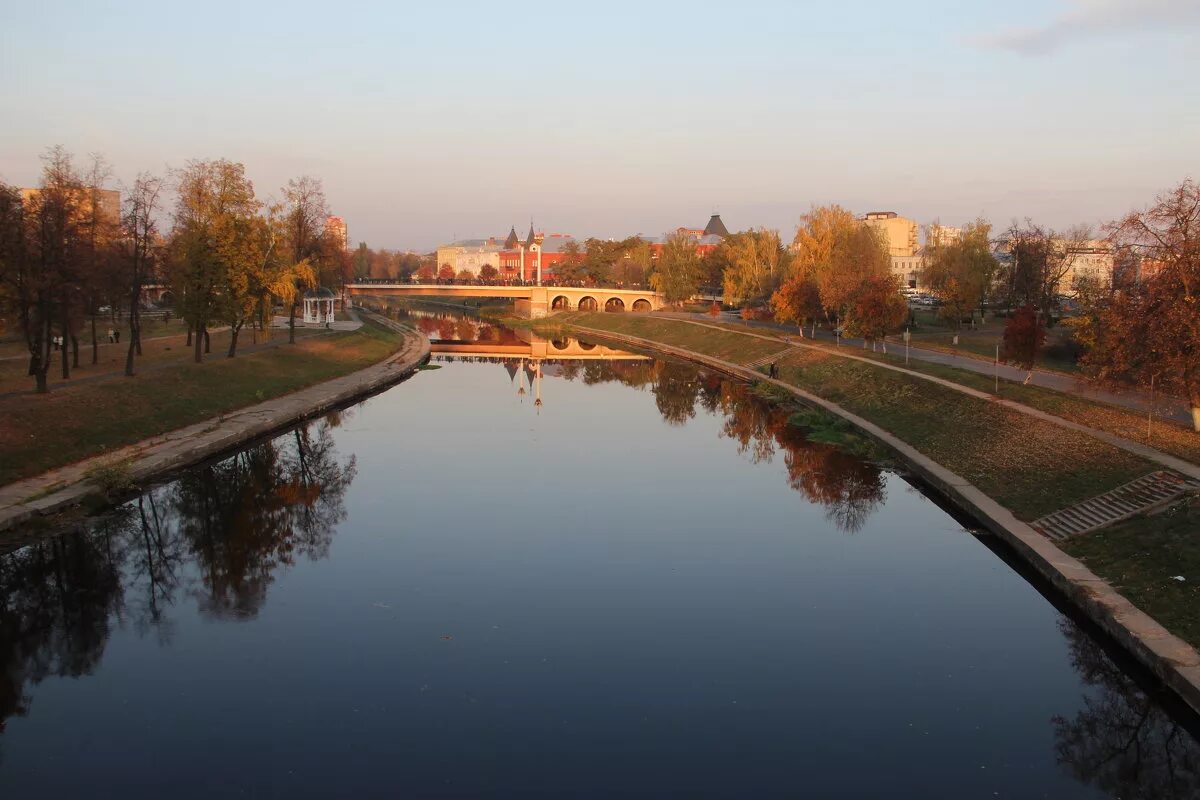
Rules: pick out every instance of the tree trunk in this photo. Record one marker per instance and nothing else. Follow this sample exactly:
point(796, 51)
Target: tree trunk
point(64, 325)
point(189, 339)
point(234, 330)
point(292, 323)
point(1196, 414)
point(129, 358)
point(40, 361)
point(207, 341)
point(74, 351)
point(197, 354)
point(95, 344)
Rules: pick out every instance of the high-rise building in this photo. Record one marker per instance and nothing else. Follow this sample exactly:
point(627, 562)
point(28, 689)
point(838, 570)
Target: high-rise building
point(108, 202)
point(336, 228)
point(899, 232)
point(937, 235)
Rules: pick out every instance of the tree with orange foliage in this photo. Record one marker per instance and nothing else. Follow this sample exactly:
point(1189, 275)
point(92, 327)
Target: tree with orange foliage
point(798, 300)
point(876, 308)
point(1024, 335)
point(445, 273)
point(1149, 333)
point(426, 273)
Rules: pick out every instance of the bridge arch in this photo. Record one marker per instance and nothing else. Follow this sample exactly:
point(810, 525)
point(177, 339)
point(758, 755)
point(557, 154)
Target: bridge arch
point(560, 303)
point(614, 305)
point(588, 303)
point(560, 344)
point(641, 304)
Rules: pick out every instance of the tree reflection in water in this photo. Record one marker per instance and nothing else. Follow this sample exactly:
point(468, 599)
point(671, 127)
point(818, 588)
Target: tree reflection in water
point(849, 487)
point(219, 534)
point(1122, 741)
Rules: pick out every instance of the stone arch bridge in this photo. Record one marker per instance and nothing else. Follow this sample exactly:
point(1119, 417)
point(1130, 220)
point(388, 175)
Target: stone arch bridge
point(536, 301)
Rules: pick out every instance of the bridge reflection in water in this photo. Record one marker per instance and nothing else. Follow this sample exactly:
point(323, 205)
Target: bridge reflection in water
point(526, 356)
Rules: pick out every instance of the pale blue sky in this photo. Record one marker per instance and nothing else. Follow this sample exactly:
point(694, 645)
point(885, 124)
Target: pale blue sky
point(458, 118)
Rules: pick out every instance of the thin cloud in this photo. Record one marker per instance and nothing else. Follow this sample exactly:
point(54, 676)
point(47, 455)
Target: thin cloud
point(1083, 19)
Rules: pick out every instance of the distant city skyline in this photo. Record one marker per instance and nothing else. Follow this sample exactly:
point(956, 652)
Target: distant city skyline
point(428, 123)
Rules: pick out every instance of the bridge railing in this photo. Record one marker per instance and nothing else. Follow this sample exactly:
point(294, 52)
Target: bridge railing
point(632, 287)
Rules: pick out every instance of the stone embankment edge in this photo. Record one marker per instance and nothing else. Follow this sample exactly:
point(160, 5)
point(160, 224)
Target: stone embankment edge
point(1172, 660)
point(154, 458)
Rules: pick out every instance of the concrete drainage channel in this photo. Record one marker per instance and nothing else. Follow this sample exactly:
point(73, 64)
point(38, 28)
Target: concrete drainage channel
point(1172, 660)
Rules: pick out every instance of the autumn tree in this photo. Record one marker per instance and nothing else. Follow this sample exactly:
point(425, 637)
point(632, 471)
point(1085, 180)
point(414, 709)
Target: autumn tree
point(426, 273)
point(961, 272)
point(305, 212)
point(41, 258)
point(677, 273)
point(488, 273)
point(876, 309)
point(361, 261)
point(633, 267)
point(1024, 335)
point(798, 301)
point(571, 266)
point(1038, 260)
point(445, 272)
point(1149, 333)
point(139, 233)
point(838, 252)
point(102, 277)
point(755, 263)
point(212, 197)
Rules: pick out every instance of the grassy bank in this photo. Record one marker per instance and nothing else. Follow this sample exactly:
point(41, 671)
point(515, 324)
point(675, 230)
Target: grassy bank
point(1030, 466)
point(1169, 437)
point(41, 432)
point(1141, 559)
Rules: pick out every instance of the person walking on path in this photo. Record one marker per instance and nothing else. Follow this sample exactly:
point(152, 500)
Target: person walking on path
point(117, 334)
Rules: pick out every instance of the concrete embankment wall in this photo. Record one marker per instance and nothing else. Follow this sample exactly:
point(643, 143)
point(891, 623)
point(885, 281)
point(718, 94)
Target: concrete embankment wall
point(1172, 660)
point(156, 458)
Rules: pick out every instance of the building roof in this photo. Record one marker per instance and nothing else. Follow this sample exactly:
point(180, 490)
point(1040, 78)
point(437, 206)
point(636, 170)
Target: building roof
point(715, 226)
point(531, 238)
point(320, 293)
point(512, 239)
point(555, 244)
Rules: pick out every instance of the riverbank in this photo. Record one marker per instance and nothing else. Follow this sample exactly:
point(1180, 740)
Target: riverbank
point(1000, 465)
point(144, 432)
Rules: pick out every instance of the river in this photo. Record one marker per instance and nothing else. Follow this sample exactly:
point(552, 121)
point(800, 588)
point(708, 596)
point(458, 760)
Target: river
point(549, 569)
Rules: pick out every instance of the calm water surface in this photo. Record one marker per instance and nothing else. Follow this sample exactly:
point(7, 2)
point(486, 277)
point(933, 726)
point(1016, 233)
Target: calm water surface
point(646, 585)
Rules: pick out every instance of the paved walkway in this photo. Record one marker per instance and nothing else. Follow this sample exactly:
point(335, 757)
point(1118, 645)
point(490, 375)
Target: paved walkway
point(1165, 407)
point(160, 455)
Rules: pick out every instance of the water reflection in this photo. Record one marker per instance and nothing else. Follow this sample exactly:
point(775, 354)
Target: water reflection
point(214, 543)
point(218, 535)
point(1122, 741)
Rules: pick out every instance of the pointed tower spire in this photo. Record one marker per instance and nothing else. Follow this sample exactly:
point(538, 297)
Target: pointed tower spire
point(716, 226)
point(531, 238)
point(512, 239)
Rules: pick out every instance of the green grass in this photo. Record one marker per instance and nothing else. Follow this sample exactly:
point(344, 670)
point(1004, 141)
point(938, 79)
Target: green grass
point(41, 432)
point(1030, 466)
point(1141, 558)
point(1167, 436)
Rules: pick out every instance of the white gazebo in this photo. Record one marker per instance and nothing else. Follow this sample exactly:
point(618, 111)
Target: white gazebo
point(318, 305)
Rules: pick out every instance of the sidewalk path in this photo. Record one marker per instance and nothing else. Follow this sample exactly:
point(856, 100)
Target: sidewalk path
point(1165, 407)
